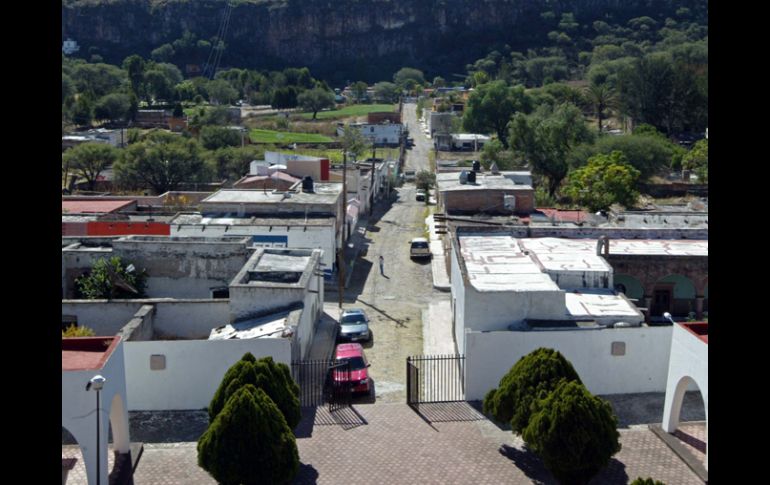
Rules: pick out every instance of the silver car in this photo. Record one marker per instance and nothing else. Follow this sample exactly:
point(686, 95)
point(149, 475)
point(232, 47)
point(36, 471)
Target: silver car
point(354, 325)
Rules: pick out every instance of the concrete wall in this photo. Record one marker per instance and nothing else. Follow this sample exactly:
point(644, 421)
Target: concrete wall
point(488, 310)
point(488, 201)
point(458, 302)
point(75, 261)
point(643, 368)
point(193, 370)
point(184, 319)
point(297, 237)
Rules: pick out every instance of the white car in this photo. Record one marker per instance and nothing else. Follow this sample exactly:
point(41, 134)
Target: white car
point(419, 248)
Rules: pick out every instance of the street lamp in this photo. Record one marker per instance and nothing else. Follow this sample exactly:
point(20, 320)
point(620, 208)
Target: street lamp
point(667, 316)
point(97, 384)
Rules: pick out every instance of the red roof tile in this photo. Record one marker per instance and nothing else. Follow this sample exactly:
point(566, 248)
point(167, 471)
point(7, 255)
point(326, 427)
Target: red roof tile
point(93, 206)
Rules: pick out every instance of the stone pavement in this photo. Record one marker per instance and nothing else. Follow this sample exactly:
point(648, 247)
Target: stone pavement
point(438, 261)
point(389, 443)
point(437, 328)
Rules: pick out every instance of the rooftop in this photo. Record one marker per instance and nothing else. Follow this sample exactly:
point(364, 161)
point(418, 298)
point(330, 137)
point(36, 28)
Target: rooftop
point(484, 181)
point(323, 193)
point(269, 326)
point(93, 206)
point(227, 220)
point(699, 329)
point(86, 353)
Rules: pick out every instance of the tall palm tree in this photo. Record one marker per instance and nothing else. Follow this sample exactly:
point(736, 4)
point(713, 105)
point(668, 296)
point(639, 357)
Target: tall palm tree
point(601, 97)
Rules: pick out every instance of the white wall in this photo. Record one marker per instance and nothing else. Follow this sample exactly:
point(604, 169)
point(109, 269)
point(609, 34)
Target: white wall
point(643, 368)
point(458, 300)
point(296, 237)
point(488, 310)
point(102, 316)
point(194, 369)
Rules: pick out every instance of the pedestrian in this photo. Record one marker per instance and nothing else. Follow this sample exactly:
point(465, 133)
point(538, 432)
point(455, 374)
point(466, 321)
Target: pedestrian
point(382, 265)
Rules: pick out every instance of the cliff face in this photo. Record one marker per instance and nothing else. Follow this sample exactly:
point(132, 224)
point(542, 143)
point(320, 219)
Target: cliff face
point(349, 37)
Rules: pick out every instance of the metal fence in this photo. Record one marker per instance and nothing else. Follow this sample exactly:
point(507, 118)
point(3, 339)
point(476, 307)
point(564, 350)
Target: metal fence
point(321, 382)
point(435, 379)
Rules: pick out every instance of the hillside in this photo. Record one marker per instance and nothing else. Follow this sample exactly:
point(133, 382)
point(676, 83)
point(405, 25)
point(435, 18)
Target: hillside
point(339, 40)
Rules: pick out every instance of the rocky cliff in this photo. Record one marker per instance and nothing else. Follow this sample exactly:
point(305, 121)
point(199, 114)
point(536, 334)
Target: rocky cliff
point(343, 38)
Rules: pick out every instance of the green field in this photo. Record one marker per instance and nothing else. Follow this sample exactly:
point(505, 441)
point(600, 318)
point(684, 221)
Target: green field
point(269, 136)
point(352, 110)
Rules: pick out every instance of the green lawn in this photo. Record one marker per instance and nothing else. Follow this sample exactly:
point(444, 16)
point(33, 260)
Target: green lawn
point(352, 110)
point(269, 136)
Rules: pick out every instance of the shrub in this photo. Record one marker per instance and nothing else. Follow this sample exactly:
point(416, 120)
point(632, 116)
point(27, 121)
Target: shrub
point(531, 378)
point(274, 379)
point(249, 442)
point(109, 279)
point(573, 432)
point(646, 481)
point(75, 331)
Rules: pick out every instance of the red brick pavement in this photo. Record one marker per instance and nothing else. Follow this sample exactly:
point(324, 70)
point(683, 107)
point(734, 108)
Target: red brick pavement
point(390, 443)
point(693, 437)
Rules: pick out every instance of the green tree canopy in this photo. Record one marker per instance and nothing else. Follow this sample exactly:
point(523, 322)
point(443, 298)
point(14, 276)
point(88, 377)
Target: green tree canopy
point(249, 442)
point(89, 160)
point(697, 160)
point(359, 90)
point(110, 278)
point(274, 378)
point(285, 97)
point(646, 153)
point(406, 74)
point(221, 92)
point(316, 99)
point(573, 432)
point(386, 92)
point(98, 80)
point(425, 180)
point(82, 111)
point(531, 378)
point(161, 161)
point(214, 137)
point(353, 142)
point(546, 137)
point(605, 180)
point(491, 107)
point(232, 163)
point(113, 107)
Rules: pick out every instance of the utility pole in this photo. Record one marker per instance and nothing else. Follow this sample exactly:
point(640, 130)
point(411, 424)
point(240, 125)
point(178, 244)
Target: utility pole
point(341, 250)
point(371, 189)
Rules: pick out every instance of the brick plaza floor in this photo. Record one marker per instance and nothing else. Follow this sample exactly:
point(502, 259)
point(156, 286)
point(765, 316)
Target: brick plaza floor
point(389, 443)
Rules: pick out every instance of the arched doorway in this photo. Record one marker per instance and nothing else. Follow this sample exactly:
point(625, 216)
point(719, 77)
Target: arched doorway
point(674, 294)
point(685, 417)
point(629, 286)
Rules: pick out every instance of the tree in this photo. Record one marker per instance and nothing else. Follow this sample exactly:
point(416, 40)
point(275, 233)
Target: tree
point(113, 107)
point(359, 90)
point(134, 66)
point(531, 378)
point(406, 74)
point(573, 432)
point(386, 92)
point(89, 160)
point(75, 331)
point(353, 142)
point(316, 99)
point(110, 278)
point(82, 111)
point(546, 137)
point(220, 92)
point(274, 378)
point(161, 161)
point(438, 82)
point(425, 180)
point(96, 80)
point(600, 97)
point(605, 180)
point(214, 137)
point(284, 98)
point(697, 159)
point(231, 163)
point(249, 442)
point(491, 107)
point(646, 153)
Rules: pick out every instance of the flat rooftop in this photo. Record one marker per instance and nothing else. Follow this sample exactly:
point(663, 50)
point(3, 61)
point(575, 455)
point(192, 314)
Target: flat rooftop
point(640, 247)
point(86, 353)
point(275, 325)
point(594, 304)
point(231, 220)
point(93, 206)
point(451, 182)
point(323, 193)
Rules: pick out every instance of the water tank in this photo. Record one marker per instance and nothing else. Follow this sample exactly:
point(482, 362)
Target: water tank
point(476, 166)
point(471, 177)
point(307, 184)
point(464, 177)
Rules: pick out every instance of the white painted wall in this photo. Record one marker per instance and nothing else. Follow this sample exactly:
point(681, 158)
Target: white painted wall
point(194, 369)
point(487, 310)
point(183, 288)
point(458, 300)
point(643, 368)
point(104, 317)
point(305, 237)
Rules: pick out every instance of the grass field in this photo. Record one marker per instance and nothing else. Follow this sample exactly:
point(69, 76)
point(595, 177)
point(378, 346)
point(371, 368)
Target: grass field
point(352, 110)
point(269, 136)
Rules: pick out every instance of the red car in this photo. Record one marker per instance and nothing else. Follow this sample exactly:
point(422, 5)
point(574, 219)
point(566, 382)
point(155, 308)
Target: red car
point(359, 374)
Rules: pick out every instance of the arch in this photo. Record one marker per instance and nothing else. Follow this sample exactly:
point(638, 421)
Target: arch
point(632, 286)
point(674, 293)
point(673, 405)
point(119, 422)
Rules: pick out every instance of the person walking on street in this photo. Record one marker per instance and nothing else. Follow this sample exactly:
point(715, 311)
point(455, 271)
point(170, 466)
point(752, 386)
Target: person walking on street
point(382, 265)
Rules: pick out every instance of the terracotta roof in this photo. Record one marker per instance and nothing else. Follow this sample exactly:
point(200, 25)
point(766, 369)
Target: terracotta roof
point(86, 353)
point(93, 206)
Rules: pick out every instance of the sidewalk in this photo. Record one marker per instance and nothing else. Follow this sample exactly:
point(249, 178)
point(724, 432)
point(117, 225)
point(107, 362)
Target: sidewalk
point(438, 262)
point(353, 247)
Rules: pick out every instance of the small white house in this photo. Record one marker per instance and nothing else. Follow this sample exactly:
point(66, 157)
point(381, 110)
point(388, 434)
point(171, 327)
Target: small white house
point(379, 134)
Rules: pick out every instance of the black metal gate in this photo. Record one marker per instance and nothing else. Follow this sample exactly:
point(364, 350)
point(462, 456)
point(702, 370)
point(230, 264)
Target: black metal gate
point(322, 381)
point(434, 379)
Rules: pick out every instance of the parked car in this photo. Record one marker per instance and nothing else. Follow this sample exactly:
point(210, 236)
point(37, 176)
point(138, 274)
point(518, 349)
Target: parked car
point(354, 325)
point(419, 248)
point(359, 367)
point(420, 195)
point(410, 175)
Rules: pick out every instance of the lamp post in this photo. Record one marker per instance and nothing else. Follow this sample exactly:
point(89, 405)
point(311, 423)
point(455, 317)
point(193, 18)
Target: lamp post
point(667, 316)
point(97, 383)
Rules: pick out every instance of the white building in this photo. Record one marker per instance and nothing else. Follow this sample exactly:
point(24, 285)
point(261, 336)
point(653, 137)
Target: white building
point(69, 47)
point(378, 134)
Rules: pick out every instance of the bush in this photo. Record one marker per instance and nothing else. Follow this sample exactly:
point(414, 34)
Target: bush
point(274, 379)
point(75, 331)
point(531, 378)
point(109, 279)
point(646, 481)
point(249, 442)
point(573, 432)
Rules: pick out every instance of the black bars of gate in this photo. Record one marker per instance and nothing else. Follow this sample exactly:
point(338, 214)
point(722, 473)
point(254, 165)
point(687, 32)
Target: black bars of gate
point(311, 377)
point(339, 385)
point(435, 379)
